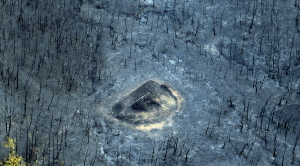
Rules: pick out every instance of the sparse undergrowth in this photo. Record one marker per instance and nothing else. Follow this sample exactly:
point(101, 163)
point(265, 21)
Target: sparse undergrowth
point(12, 159)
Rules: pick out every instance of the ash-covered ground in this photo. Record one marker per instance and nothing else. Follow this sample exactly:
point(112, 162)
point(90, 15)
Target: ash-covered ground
point(235, 65)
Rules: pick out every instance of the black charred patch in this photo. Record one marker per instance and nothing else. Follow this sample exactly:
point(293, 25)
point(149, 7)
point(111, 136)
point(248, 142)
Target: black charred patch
point(151, 102)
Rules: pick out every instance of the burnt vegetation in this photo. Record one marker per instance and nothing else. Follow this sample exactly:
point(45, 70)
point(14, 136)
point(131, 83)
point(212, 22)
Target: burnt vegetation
point(56, 65)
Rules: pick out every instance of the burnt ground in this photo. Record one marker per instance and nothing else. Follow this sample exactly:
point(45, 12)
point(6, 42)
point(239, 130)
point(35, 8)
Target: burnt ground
point(150, 103)
point(234, 65)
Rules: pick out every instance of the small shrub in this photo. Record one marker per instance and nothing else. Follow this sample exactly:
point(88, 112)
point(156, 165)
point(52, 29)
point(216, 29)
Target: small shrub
point(12, 158)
